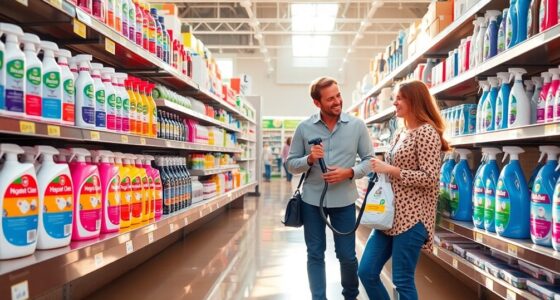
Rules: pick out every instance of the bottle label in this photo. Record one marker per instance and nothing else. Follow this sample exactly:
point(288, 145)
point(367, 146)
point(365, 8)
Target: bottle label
point(33, 92)
point(501, 40)
point(550, 105)
point(146, 195)
point(126, 115)
point(152, 195)
point(20, 211)
point(68, 100)
point(14, 85)
point(90, 203)
point(88, 108)
point(159, 195)
point(111, 111)
point(100, 110)
point(556, 215)
point(454, 201)
point(512, 110)
point(132, 22)
point(499, 112)
point(479, 205)
point(52, 96)
point(503, 207)
point(114, 201)
point(126, 198)
point(58, 205)
point(136, 206)
point(488, 112)
point(489, 205)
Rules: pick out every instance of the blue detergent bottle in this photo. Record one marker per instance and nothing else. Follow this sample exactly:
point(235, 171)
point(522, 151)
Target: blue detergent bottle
point(491, 173)
point(541, 197)
point(522, 11)
point(489, 109)
point(534, 175)
point(502, 102)
point(491, 36)
point(512, 198)
point(444, 180)
point(481, 103)
point(461, 187)
point(511, 25)
point(478, 193)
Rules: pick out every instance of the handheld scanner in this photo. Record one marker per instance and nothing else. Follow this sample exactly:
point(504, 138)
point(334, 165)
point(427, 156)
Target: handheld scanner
point(318, 141)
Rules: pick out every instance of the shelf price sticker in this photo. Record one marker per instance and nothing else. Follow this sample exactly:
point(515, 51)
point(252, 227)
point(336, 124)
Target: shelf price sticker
point(95, 136)
point(55, 3)
point(124, 139)
point(20, 291)
point(150, 237)
point(82, 16)
point(27, 127)
point(512, 250)
point(53, 130)
point(98, 259)
point(23, 2)
point(455, 263)
point(511, 295)
point(489, 283)
point(435, 251)
point(129, 247)
point(110, 46)
point(142, 141)
point(186, 221)
point(80, 28)
point(451, 226)
point(478, 237)
point(550, 129)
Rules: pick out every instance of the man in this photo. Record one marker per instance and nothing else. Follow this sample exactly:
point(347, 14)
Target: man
point(343, 137)
point(267, 159)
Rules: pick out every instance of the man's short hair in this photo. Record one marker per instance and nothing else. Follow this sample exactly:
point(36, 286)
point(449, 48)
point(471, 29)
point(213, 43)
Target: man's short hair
point(319, 84)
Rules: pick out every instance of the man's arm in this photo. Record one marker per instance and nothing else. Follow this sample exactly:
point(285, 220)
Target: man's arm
point(365, 151)
point(297, 159)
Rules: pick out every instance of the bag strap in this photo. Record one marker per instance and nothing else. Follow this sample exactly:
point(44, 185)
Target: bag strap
point(302, 179)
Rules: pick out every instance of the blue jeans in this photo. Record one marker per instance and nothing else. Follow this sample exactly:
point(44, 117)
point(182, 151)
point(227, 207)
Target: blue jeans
point(343, 219)
point(405, 249)
point(267, 171)
point(288, 174)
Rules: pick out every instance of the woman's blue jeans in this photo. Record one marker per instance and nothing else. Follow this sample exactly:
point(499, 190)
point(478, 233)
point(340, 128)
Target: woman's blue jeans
point(405, 250)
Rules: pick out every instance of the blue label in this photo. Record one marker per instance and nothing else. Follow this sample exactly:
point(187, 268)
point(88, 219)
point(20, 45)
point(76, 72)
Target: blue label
point(2, 98)
point(100, 119)
point(14, 100)
point(52, 108)
point(58, 225)
point(88, 115)
point(20, 231)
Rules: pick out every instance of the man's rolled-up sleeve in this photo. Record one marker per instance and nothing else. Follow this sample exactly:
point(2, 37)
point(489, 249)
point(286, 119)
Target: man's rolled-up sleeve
point(297, 159)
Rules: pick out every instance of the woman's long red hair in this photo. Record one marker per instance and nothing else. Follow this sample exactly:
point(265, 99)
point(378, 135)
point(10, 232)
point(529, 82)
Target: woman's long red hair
point(424, 107)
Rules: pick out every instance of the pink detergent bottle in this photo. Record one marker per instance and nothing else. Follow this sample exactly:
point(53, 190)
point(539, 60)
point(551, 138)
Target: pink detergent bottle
point(87, 196)
point(550, 109)
point(156, 207)
point(541, 104)
point(110, 190)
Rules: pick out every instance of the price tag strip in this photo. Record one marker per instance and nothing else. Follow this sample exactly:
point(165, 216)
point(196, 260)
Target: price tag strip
point(53, 130)
point(129, 247)
point(20, 291)
point(27, 127)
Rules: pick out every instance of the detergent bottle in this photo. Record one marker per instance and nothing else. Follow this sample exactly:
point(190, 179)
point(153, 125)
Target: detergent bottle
point(483, 27)
point(523, 20)
point(147, 196)
point(87, 196)
point(512, 198)
point(502, 31)
point(541, 105)
point(166, 185)
point(478, 193)
point(53, 89)
point(125, 189)
point(541, 197)
point(120, 102)
point(444, 180)
point(100, 97)
point(489, 109)
point(549, 11)
point(533, 25)
point(110, 190)
point(33, 76)
point(491, 35)
point(56, 193)
point(14, 71)
point(474, 46)
point(73, 66)
point(536, 171)
point(156, 210)
point(529, 88)
point(461, 188)
point(481, 103)
point(20, 204)
point(131, 122)
point(511, 31)
point(67, 80)
point(137, 190)
point(152, 112)
point(110, 96)
point(538, 82)
point(85, 93)
point(502, 102)
point(519, 110)
point(550, 96)
point(491, 173)
point(557, 102)
point(141, 108)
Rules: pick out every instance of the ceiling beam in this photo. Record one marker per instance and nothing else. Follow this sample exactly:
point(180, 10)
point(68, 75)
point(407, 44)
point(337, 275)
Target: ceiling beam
point(287, 20)
point(248, 32)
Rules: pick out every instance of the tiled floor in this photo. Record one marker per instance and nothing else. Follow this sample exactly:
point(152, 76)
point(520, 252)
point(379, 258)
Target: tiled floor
point(243, 254)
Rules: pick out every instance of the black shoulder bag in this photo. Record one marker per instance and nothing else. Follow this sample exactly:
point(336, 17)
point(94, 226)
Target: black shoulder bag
point(292, 216)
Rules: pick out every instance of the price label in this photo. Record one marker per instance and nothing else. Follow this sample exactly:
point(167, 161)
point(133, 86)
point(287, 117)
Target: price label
point(455, 263)
point(129, 247)
point(478, 237)
point(124, 139)
point(451, 226)
point(95, 136)
point(512, 250)
point(84, 17)
point(80, 28)
point(489, 284)
point(150, 237)
point(20, 291)
point(142, 141)
point(27, 127)
point(511, 295)
point(23, 2)
point(435, 251)
point(98, 259)
point(53, 130)
point(550, 129)
point(110, 46)
point(55, 3)
point(186, 221)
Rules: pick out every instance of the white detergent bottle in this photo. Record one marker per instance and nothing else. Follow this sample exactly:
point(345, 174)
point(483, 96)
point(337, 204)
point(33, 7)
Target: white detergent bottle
point(474, 46)
point(119, 101)
point(85, 93)
point(68, 87)
point(100, 97)
point(52, 84)
point(480, 41)
point(19, 199)
point(111, 97)
point(519, 110)
point(73, 65)
point(56, 194)
point(538, 82)
point(33, 75)
point(14, 71)
point(479, 118)
point(124, 108)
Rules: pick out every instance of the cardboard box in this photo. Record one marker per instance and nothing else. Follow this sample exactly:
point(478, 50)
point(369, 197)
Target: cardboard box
point(413, 30)
point(166, 9)
point(437, 9)
point(439, 25)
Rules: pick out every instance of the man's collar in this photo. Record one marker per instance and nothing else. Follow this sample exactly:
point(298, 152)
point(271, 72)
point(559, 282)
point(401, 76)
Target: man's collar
point(343, 118)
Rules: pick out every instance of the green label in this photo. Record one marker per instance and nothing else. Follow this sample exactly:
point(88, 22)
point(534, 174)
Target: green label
point(88, 91)
point(118, 102)
point(125, 105)
point(111, 100)
point(1, 59)
point(131, 14)
point(15, 68)
point(454, 199)
point(479, 199)
point(52, 79)
point(34, 76)
point(156, 94)
point(69, 86)
point(100, 97)
point(489, 204)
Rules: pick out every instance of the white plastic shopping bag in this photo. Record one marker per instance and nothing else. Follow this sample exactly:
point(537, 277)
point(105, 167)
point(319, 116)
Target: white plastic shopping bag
point(380, 207)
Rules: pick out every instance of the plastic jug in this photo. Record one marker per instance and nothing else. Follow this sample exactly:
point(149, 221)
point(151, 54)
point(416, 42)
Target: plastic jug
point(110, 190)
point(502, 31)
point(68, 94)
point(502, 102)
point(100, 97)
point(489, 109)
point(511, 27)
point(478, 194)
point(85, 93)
point(125, 189)
point(52, 84)
point(461, 188)
point(479, 118)
point(491, 35)
point(14, 70)
point(523, 20)
point(491, 173)
point(519, 110)
point(147, 196)
point(33, 76)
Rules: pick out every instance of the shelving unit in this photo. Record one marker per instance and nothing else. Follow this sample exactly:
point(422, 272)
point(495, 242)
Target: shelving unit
point(383, 116)
point(204, 120)
point(218, 170)
point(532, 134)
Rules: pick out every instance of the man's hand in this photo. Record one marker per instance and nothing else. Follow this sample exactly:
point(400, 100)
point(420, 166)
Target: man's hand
point(316, 153)
point(381, 167)
point(336, 175)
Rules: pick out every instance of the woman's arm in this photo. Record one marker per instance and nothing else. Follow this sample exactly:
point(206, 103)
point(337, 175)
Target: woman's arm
point(428, 150)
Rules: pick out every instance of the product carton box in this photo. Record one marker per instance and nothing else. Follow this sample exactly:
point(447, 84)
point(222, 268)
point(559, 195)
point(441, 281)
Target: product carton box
point(413, 30)
point(437, 9)
point(166, 9)
point(439, 25)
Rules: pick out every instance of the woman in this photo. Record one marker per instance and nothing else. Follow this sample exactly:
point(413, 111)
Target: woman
point(413, 166)
point(285, 153)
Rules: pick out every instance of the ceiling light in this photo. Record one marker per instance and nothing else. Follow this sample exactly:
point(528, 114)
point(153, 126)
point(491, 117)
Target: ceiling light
point(340, 70)
point(270, 70)
point(344, 60)
point(258, 36)
point(245, 3)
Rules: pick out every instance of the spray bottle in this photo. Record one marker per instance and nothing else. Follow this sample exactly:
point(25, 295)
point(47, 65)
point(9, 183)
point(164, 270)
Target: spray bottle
point(131, 107)
point(73, 66)
point(56, 194)
point(550, 97)
point(479, 118)
point(491, 34)
point(118, 101)
point(157, 188)
point(529, 88)
point(523, 20)
point(511, 27)
point(478, 193)
point(87, 196)
point(557, 101)
point(110, 96)
point(474, 50)
point(125, 189)
point(502, 31)
point(33, 76)
point(461, 188)
point(85, 93)
point(538, 82)
point(100, 97)
point(541, 104)
point(541, 197)
point(137, 190)
point(519, 110)
point(52, 84)
point(14, 70)
point(139, 37)
point(124, 108)
point(483, 27)
point(489, 109)
point(30, 157)
point(20, 204)
point(68, 93)
point(110, 187)
point(131, 21)
point(512, 198)
point(502, 102)
point(549, 14)
point(491, 173)
point(147, 196)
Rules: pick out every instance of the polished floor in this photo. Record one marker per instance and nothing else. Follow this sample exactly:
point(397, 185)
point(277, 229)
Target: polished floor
point(248, 254)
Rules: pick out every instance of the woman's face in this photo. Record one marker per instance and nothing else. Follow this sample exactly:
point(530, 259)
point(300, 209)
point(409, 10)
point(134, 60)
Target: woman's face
point(402, 106)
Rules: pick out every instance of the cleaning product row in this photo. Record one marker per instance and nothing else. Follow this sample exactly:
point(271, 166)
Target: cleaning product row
point(461, 119)
point(209, 161)
point(176, 181)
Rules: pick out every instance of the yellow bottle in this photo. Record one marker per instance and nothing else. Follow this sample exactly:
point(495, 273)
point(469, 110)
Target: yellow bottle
point(146, 189)
point(141, 117)
point(137, 190)
point(125, 190)
point(132, 96)
point(152, 111)
point(147, 108)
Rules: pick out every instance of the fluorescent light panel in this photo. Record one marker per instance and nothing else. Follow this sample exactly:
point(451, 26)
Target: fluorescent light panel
point(312, 17)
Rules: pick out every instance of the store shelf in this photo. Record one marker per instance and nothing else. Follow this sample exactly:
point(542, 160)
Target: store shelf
point(204, 120)
point(495, 285)
point(383, 116)
point(243, 137)
point(448, 39)
point(18, 129)
point(535, 54)
point(213, 171)
point(521, 135)
point(523, 249)
point(208, 97)
point(245, 159)
point(45, 270)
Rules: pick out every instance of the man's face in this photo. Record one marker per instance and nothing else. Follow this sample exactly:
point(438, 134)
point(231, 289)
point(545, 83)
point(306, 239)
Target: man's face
point(331, 101)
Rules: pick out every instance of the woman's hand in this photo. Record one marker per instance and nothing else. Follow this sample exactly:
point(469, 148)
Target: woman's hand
point(381, 167)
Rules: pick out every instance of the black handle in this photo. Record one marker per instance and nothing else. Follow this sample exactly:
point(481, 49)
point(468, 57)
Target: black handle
point(318, 141)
